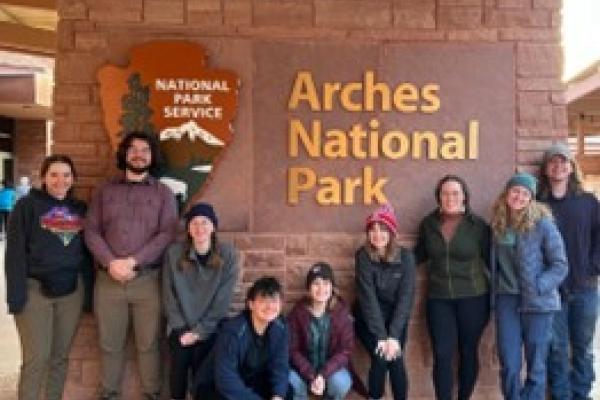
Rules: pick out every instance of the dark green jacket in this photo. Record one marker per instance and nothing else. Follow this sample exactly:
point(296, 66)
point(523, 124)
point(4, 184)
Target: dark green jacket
point(457, 268)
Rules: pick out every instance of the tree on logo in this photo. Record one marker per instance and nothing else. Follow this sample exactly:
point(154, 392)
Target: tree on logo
point(136, 112)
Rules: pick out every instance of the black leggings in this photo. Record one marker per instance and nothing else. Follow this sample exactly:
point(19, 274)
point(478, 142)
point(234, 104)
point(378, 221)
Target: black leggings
point(185, 360)
point(379, 366)
point(456, 322)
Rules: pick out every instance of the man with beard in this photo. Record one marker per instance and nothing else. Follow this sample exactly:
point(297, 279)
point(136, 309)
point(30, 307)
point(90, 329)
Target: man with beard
point(130, 221)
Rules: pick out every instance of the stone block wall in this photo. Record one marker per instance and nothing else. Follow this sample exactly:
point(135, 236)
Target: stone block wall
point(29, 148)
point(94, 32)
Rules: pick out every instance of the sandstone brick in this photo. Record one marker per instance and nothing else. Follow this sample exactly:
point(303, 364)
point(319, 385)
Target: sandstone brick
point(399, 34)
point(556, 19)
point(352, 14)
point(289, 32)
point(259, 242)
point(539, 84)
point(538, 60)
point(90, 41)
point(535, 110)
point(273, 12)
point(90, 372)
point(558, 98)
point(529, 157)
point(514, 3)
point(530, 34)
point(470, 35)
point(533, 144)
point(80, 149)
point(251, 275)
point(553, 4)
point(157, 11)
point(526, 131)
point(205, 12)
point(559, 114)
point(72, 9)
point(414, 15)
point(510, 18)
point(72, 94)
point(459, 17)
point(76, 67)
point(84, 113)
point(65, 36)
point(296, 245)
point(261, 259)
point(333, 245)
point(116, 11)
point(237, 12)
point(459, 2)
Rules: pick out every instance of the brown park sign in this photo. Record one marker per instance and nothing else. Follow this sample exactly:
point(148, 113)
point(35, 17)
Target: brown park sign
point(168, 91)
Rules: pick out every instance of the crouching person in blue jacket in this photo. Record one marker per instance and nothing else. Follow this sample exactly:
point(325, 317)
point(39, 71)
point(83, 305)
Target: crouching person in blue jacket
point(252, 349)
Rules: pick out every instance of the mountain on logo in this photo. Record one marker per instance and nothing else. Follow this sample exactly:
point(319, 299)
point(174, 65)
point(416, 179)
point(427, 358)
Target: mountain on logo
point(193, 132)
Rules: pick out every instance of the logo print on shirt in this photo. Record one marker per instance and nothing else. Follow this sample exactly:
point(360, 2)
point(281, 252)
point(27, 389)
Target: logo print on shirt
point(63, 223)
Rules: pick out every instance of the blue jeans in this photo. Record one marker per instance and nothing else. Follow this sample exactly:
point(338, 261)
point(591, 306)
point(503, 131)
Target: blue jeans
point(571, 378)
point(337, 385)
point(514, 331)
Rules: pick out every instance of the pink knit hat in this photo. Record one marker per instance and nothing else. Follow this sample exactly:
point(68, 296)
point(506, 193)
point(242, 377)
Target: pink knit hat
point(385, 215)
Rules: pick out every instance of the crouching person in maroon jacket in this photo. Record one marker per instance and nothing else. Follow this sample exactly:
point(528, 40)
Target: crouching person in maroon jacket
point(321, 339)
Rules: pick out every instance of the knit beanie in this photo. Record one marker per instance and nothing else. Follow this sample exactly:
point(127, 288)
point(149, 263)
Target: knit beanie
point(202, 210)
point(558, 149)
point(524, 179)
point(385, 215)
point(319, 270)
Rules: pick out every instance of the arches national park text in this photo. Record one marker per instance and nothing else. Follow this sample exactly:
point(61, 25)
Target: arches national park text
point(365, 139)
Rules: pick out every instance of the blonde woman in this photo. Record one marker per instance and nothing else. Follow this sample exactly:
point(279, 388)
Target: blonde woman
point(528, 265)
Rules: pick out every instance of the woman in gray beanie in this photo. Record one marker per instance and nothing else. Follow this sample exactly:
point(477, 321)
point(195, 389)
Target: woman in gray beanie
point(198, 280)
point(528, 263)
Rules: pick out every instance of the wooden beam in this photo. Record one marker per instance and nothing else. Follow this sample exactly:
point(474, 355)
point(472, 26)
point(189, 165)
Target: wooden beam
point(23, 38)
point(43, 4)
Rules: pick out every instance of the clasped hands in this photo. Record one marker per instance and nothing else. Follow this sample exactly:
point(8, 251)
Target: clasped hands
point(122, 269)
point(388, 349)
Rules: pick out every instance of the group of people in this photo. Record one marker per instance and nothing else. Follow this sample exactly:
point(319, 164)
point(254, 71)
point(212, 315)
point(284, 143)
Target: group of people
point(533, 267)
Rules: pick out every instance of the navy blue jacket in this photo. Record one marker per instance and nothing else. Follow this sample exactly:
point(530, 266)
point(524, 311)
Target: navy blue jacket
point(233, 341)
point(541, 267)
point(578, 219)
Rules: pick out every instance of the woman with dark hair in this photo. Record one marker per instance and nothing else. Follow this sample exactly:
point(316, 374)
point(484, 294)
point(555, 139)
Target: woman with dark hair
point(46, 261)
point(198, 280)
point(528, 264)
point(454, 242)
point(321, 339)
point(385, 280)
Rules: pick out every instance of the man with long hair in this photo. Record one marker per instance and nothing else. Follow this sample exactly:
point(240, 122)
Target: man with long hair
point(130, 222)
point(578, 218)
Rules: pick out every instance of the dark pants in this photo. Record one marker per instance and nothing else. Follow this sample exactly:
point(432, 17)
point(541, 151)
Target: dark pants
point(450, 323)
point(571, 359)
point(379, 366)
point(185, 360)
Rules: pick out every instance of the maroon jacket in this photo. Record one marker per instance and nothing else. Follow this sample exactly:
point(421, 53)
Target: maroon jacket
point(341, 339)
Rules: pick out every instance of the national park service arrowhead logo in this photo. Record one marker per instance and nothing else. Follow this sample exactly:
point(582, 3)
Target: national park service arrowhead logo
point(168, 91)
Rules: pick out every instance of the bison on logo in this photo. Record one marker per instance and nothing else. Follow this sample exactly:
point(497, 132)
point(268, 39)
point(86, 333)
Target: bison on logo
point(168, 91)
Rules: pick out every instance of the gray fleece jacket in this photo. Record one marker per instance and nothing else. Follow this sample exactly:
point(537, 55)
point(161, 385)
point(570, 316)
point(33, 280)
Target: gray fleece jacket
point(197, 298)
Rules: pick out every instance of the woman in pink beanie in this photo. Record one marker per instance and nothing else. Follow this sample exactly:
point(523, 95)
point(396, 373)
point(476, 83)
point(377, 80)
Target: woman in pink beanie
point(385, 280)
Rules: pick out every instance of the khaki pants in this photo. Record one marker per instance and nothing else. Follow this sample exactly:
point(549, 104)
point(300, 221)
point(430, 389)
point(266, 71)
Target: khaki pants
point(115, 304)
point(46, 328)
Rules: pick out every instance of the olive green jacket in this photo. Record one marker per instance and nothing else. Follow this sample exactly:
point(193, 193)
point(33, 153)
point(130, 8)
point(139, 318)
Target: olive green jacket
point(457, 268)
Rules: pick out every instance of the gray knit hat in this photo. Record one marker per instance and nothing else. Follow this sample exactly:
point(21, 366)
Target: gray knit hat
point(558, 149)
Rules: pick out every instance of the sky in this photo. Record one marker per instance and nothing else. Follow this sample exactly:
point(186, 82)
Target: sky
point(581, 35)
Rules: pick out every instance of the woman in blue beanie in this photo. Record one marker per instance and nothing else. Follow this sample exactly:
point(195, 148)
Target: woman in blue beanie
point(198, 280)
point(528, 264)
